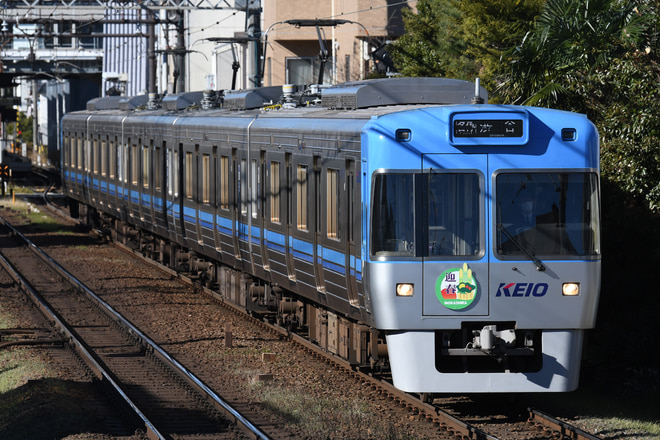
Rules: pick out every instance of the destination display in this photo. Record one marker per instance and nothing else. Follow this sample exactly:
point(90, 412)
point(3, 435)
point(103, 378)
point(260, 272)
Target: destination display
point(488, 128)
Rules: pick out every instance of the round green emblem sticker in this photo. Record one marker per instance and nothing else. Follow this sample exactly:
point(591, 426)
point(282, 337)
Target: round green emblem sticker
point(456, 288)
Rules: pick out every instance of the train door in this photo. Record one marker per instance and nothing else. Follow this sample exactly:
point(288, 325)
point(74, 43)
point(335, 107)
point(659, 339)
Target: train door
point(318, 256)
point(144, 183)
point(275, 233)
point(137, 149)
point(133, 178)
point(236, 190)
point(105, 196)
point(174, 192)
point(302, 241)
point(260, 218)
point(80, 163)
point(254, 226)
point(115, 167)
point(84, 158)
point(159, 192)
point(351, 211)
point(93, 169)
point(223, 225)
point(452, 192)
point(201, 198)
point(122, 173)
point(189, 208)
point(289, 218)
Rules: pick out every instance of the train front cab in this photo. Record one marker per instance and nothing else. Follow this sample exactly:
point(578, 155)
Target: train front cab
point(470, 299)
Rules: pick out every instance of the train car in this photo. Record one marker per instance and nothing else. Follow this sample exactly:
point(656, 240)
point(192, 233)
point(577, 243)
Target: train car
point(400, 213)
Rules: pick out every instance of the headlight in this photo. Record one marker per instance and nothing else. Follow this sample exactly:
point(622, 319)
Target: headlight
point(405, 289)
point(570, 289)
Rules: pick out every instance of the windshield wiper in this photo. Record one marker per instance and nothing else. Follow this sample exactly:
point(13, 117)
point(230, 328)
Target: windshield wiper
point(539, 266)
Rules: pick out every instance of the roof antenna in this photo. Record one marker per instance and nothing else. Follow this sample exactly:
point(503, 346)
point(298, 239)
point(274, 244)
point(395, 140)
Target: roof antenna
point(477, 99)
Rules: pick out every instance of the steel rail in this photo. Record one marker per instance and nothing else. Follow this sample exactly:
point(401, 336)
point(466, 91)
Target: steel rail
point(566, 430)
point(79, 346)
point(180, 369)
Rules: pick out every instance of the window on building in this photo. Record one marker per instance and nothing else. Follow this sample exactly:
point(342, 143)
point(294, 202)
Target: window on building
point(87, 40)
point(305, 70)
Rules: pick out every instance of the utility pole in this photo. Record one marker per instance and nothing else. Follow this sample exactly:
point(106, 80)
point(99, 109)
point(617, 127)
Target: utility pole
point(151, 52)
point(35, 116)
point(180, 55)
point(253, 28)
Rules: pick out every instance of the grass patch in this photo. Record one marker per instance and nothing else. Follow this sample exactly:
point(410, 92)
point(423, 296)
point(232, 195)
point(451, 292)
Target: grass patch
point(327, 418)
point(36, 220)
point(6, 319)
point(22, 190)
point(621, 428)
point(609, 413)
point(18, 366)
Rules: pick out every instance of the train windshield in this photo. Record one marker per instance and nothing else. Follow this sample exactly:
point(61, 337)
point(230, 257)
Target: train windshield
point(431, 215)
point(549, 214)
point(393, 215)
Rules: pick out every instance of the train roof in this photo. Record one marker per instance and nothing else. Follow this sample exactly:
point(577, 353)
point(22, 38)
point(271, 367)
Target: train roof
point(358, 99)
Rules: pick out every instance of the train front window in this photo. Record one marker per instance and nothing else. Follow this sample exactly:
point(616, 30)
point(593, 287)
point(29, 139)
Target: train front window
point(453, 214)
point(550, 214)
point(429, 215)
point(393, 216)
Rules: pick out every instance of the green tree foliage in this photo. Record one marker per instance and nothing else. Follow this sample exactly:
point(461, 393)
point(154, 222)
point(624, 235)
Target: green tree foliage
point(25, 126)
point(425, 49)
point(461, 39)
point(572, 39)
point(626, 109)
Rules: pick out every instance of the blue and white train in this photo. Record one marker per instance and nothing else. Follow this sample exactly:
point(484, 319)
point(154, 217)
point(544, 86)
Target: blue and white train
point(402, 222)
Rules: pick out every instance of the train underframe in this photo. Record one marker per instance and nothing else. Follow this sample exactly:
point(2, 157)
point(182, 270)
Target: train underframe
point(354, 342)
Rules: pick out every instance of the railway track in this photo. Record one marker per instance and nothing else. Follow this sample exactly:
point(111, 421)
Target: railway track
point(164, 395)
point(444, 423)
point(539, 422)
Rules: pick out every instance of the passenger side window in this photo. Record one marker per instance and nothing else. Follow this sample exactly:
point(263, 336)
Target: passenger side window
point(224, 182)
point(275, 204)
point(332, 203)
point(301, 198)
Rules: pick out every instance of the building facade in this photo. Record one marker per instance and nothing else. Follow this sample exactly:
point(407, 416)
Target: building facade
point(293, 48)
